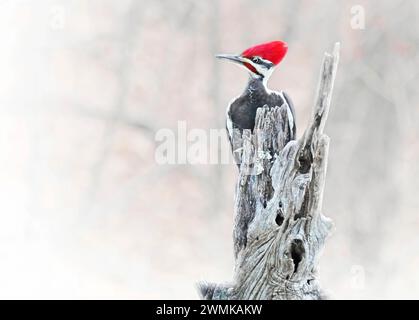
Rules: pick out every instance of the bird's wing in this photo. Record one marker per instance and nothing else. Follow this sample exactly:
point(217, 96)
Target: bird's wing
point(234, 133)
point(293, 127)
point(280, 98)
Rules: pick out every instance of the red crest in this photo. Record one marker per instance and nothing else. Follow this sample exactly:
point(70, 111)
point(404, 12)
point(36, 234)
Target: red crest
point(273, 51)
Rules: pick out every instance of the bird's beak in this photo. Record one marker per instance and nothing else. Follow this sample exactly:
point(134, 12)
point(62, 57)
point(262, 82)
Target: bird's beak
point(232, 57)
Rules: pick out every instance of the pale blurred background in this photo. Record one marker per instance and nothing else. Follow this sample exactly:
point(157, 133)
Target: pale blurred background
point(85, 211)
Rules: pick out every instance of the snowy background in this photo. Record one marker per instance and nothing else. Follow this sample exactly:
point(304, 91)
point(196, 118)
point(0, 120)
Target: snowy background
point(86, 212)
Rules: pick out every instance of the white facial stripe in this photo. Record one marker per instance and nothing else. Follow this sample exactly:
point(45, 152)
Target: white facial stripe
point(265, 61)
point(261, 69)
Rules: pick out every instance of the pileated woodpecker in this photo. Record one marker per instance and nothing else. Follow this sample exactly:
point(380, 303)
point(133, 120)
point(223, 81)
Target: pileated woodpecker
point(260, 61)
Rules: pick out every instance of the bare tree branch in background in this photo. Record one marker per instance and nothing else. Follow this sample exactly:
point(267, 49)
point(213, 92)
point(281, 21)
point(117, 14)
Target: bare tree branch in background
point(128, 37)
point(214, 93)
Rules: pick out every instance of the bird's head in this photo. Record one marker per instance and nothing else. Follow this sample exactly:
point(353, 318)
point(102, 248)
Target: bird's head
point(259, 60)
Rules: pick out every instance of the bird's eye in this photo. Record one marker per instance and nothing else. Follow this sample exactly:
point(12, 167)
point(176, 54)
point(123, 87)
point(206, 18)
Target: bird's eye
point(256, 59)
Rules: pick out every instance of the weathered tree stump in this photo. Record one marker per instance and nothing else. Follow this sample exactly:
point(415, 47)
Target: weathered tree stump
point(279, 229)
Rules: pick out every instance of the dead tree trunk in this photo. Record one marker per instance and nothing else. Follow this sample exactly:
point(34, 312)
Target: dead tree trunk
point(279, 229)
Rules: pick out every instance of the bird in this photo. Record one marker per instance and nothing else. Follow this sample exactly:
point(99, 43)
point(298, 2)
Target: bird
point(260, 61)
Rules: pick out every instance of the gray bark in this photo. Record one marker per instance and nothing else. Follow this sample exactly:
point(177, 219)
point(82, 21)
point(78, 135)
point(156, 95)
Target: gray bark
point(279, 230)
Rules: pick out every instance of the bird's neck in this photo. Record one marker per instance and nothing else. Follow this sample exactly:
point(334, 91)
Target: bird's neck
point(256, 87)
point(259, 81)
